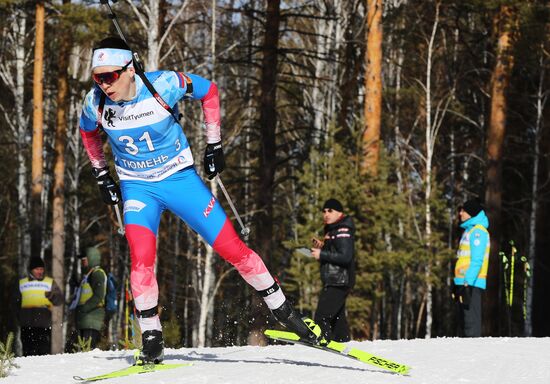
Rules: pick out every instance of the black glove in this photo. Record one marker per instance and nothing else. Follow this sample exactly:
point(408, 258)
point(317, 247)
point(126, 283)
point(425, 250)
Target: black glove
point(214, 161)
point(462, 294)
point(466, 296)
point(108, 188)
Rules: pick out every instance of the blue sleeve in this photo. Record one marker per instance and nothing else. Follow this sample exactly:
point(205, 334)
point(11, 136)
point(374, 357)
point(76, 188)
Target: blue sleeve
point(172, 85)
point(201, 86)
point(478, 244)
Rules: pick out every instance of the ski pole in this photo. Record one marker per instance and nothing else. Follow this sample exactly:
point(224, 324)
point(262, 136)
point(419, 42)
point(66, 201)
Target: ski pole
point(527, 270)
point(127, 315)
point(119, 219)
point(514, 250)
point(137, 62)
point(245, 231)
point(505, 263)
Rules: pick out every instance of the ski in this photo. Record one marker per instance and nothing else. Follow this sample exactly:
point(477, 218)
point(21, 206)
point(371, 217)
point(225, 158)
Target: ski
point(132, 370)
point(342, 350)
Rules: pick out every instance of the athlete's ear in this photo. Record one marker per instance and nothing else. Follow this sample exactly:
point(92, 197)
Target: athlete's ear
point(131, 71)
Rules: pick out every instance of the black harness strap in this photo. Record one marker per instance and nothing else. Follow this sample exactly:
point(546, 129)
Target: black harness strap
point(156, 95)
point(100, 110)
point(153, 91)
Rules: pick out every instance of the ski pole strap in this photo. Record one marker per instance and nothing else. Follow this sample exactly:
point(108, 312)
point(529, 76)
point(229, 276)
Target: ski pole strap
point(268, 291)
point(100, 110)
point(148, 312)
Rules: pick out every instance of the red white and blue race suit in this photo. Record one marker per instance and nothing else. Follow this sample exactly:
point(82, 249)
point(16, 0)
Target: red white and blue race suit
point(155, 167)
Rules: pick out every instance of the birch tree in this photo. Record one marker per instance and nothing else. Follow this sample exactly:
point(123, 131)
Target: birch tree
point(12, 74)
point(435, 115)
point(207, 299)
point(537, 130)
point(149, 19)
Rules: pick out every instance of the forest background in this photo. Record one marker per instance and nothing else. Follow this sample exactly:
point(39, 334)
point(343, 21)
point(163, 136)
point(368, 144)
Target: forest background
point(402, 109)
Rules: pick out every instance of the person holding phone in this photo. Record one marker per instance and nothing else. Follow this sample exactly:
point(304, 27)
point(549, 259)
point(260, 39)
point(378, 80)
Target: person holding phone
point(337, 257)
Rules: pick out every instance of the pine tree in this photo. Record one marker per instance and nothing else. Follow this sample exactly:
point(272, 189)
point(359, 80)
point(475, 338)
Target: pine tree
point(7, 356)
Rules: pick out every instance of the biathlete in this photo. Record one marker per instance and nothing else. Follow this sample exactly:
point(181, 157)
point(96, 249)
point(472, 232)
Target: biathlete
point(156, 170)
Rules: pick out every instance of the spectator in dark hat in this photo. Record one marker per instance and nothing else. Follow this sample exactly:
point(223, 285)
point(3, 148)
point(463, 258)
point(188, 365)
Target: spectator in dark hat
point(336, 255)
point(35, 296)
point(471, 267)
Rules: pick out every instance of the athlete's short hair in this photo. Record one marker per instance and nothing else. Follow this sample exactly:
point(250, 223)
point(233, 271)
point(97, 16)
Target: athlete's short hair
point(112, 42)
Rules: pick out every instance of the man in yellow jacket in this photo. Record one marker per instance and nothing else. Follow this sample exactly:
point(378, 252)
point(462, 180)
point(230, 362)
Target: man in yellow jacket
point(471, 266)
point(36, 295)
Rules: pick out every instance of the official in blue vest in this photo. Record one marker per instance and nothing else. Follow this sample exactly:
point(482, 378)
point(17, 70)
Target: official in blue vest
point(35, 296)
point(471, 267)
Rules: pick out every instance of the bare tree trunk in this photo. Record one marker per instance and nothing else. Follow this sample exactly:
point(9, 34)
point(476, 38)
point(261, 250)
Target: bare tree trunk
point(152, 25)
point(207, 299)
point(351, 69)
point(321, 93)
point(58, 241)
point(430, 143)
point(495, 140)
point(15, 37)
point(268, 147)
point(153, 53)
point(15, 40)
point(541, 98)
point(38, 129)
point(373, 87)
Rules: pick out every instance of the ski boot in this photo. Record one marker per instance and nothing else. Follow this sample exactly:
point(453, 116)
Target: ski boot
point(305, 328)
point(152, 351)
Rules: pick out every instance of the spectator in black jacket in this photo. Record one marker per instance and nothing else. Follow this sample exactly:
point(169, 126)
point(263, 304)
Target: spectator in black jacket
point(336, 255)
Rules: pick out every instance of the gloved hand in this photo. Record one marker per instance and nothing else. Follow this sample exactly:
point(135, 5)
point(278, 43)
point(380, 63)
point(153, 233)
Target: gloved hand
point(462, 294)
point(466, 296)
point(108, 188)
point(214, 161)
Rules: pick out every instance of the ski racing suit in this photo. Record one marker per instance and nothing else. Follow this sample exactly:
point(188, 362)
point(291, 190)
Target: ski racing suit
point(156, 172)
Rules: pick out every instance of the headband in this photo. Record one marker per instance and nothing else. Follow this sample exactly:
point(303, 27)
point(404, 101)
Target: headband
point(111, 56)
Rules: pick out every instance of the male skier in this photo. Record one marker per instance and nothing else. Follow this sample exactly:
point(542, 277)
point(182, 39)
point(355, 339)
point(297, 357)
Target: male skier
point(156, 172)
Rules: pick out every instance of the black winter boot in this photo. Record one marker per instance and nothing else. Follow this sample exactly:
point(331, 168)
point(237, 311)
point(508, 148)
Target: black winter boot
point(287, 316)
point(153, 347)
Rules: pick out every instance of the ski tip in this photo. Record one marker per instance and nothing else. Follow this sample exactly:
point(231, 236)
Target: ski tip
point(404, 370)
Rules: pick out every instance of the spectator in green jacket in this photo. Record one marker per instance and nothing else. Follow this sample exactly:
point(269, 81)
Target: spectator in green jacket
point(89, 300)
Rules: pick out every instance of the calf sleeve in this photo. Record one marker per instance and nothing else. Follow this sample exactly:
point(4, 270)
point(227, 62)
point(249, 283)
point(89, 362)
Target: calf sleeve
point(249, 265)
point(142, 242)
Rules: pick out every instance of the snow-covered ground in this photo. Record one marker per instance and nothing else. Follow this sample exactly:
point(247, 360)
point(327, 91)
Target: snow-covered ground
point(435, 361)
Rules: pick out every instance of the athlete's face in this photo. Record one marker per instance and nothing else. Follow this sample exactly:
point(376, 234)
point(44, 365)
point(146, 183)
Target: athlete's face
point(117, 82)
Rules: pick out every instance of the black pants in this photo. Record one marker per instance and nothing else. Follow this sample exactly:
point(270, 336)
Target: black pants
point(331, 313)
point(470, 315)
point(93, 334)
point(36, 341)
